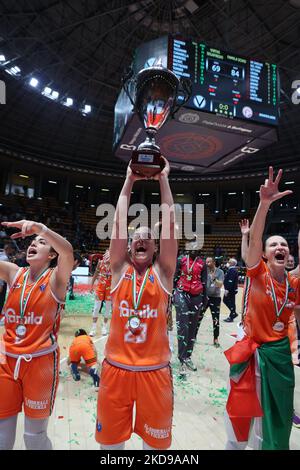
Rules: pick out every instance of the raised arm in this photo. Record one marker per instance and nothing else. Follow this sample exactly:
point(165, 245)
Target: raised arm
point(96, 274)
point(168, 240)
point(62, 272)
point(8, 271)
point(244, 226)
point(268, 193)
point(119, 237)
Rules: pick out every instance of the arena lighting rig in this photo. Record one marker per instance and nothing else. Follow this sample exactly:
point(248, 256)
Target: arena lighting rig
point(233, 111)
point(43, 89)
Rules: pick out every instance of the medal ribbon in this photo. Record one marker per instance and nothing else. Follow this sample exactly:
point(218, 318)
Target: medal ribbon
point(137, 299)
point(23, 303)
point(189, 269)
point(278, 312)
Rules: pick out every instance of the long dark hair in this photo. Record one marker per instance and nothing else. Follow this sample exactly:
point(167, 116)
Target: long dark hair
point(53, 262)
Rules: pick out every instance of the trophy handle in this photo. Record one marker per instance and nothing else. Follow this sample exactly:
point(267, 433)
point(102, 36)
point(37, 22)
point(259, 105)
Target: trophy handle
point(125, 84)
point(184, 87)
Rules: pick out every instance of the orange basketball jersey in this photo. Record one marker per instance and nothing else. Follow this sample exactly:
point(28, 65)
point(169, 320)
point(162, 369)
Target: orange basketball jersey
point(147, 347)
point(83, 347)
point(41, 317)
point(104, 282)
point(259, 309)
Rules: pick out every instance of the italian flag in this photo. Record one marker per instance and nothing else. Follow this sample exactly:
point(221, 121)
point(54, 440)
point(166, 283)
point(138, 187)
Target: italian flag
point(260, 403)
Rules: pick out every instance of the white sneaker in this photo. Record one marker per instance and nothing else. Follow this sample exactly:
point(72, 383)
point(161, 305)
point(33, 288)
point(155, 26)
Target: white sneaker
point(92, 332)
point(104, 330)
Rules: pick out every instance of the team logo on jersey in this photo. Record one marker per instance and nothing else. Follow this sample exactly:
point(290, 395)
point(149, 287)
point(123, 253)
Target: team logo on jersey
point(99, 426)
point(157, 433)
point(151, 278)
point(43, 287)
point(30, 319)
point(128, 276)
point(146, 312)
point(36, 405)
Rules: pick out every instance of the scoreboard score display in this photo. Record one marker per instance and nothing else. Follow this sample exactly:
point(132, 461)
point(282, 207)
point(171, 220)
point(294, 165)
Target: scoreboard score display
point(226, 84)
point(232, 113)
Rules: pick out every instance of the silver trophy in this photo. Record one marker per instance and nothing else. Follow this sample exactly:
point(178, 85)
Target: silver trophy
point(156, 92)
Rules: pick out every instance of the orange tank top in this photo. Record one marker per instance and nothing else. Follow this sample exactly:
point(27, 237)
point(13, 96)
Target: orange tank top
point(104, 278)
point(41, 315)
point(138, 338)
point(258, 304)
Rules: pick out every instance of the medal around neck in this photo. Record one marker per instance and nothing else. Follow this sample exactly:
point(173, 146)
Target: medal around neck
point(21, 331)
point(278, 326)
point(134, 323)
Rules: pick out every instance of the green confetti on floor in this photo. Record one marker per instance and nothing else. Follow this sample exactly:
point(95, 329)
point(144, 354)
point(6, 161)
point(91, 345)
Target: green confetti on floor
point(82, 304)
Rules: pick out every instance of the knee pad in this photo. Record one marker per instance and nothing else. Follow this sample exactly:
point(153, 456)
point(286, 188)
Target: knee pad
point(120, 446)
point(147, 447)
point(97, 308)
point(107, 308)
point(93, 373)
point(39, 441)
point(74, 371)
point(8, 432)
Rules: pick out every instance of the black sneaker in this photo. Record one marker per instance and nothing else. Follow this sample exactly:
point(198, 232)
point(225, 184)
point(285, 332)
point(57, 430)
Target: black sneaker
point(75, 374)
point(190, 365)
point(228, 320)
point(234, 316)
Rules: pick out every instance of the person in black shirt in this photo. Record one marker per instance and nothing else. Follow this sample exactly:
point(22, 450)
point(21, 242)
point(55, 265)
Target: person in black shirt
point(231, 288)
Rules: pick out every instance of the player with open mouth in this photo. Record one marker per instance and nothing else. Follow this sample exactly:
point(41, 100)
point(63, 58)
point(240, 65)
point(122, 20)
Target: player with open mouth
point(260, 403)
point(30, 356)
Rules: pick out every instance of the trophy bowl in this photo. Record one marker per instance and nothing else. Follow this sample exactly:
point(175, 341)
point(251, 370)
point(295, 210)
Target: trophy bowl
point(156, 91)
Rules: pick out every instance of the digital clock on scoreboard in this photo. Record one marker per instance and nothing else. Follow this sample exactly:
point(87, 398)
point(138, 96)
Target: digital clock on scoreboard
point(226, 84)
point(231, 115)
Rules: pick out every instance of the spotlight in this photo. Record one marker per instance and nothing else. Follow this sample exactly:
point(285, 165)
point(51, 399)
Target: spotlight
point(68, 102)
point(87, 109)
point(13, 71)
point(47, 91)
point(33, 82)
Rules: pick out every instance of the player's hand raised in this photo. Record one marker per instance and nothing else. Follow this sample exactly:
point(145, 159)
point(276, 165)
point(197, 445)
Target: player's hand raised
point(27, 228)
point(269, 192)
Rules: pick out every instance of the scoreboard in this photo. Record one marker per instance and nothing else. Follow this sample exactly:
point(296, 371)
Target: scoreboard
point(232, 114)
point(226, 84)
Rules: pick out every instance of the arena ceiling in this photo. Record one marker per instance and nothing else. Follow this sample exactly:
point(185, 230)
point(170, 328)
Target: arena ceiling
point(82, 47)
